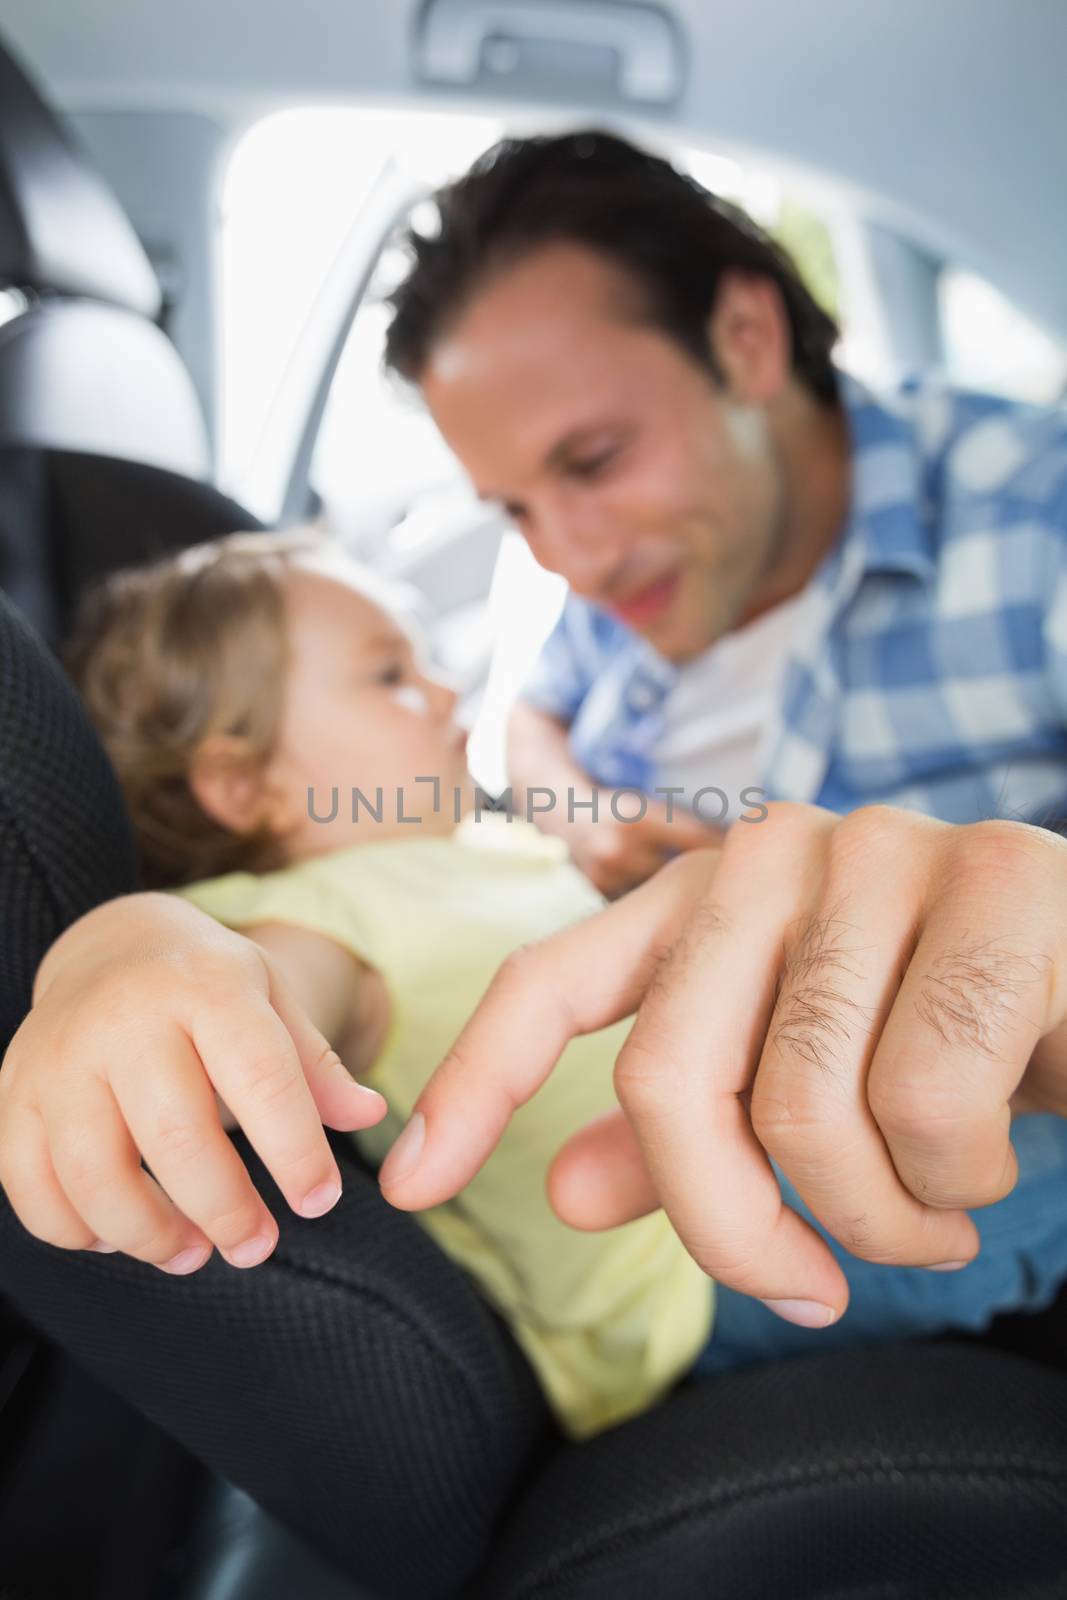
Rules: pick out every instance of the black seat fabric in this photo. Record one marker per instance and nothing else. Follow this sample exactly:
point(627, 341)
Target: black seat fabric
point(93, 1499)
point(65, 843)
point(935, 1470)
point(354, 1384)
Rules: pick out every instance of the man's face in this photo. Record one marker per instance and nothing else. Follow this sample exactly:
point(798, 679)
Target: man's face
point(625, 466)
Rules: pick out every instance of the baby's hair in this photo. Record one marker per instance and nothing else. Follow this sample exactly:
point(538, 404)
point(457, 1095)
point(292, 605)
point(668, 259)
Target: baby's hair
point(169, 654)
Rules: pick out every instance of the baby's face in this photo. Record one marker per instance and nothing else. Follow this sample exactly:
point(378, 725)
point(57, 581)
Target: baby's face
point(358, 713)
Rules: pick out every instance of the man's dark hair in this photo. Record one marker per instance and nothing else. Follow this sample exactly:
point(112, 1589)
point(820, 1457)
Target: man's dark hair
point(664, 229)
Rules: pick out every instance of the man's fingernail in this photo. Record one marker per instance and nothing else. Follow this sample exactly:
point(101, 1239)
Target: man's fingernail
point(187, 1260)
point(321, 1200)
point(805, 1313)
point(250, 1252)
point(946, 1266)
point(403, 1158)
point(102, 1248)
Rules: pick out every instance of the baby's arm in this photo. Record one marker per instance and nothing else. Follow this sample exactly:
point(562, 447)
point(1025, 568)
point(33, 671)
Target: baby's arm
point(144, 1012)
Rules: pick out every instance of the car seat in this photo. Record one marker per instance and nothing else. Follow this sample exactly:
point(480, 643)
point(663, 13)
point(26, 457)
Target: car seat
point(384, 1426)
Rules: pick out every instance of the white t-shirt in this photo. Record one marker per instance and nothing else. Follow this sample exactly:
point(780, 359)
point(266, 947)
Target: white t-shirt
point(717, 714)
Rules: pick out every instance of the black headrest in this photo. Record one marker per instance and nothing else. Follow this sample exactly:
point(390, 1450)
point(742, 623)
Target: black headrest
point(61, 228)
point(68, 518)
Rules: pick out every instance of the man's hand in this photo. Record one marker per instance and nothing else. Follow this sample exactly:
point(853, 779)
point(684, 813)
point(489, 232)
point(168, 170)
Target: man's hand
point(146, 1013)
point(864, 999)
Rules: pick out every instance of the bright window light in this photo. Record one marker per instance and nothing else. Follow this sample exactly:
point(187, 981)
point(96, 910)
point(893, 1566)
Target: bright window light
point(991, 345)
point(292, 190)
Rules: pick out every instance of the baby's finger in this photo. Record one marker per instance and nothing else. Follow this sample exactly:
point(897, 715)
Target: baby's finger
point(685, 830)
point(342, 1101)
point(28, 1178)
point(99, 1168)
point(252, 1061)
point(173, 1116)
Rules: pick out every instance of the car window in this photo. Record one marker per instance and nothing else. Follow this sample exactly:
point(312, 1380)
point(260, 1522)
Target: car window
point(293, 187)
point(990, 344)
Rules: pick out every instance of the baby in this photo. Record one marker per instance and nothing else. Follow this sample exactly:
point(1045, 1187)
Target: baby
point(293, 772)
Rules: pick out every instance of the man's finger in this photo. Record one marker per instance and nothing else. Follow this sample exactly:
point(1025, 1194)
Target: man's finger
point(684, 1074)
point(1044, 1087)
point(599, 1169)
point(585, 977)
point(685, 830)
point(971, 1013)
point(841, 975)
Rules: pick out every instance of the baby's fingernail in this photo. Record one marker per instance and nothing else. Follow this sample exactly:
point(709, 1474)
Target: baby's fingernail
point(102, 1248)
point(946, 1266)
point(805, 1313)
point(186, 1260)
point(403, 1158)
point(365, 1088)
point(250, 1252)
point(341, 1071)
point(366, 1101)
point(321, 1200)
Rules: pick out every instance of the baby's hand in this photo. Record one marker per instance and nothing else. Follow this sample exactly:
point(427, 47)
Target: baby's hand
point(144, 1012)
point(617, 856)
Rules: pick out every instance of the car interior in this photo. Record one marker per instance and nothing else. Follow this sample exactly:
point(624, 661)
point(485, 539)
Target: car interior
point(199, 215)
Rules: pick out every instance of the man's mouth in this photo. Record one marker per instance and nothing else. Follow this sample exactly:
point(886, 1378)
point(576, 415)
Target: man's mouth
point(648, 603)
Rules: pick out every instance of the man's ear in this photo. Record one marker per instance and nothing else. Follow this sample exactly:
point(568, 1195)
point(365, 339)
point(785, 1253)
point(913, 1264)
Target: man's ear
point(230, 784)
point(750, 338)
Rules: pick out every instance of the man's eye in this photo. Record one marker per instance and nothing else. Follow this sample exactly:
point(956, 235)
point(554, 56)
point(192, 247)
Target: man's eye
point(591, 465)
point(392, 674)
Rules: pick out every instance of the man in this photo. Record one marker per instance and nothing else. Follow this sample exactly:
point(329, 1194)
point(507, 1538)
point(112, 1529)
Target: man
point(864, 995)
point(776, 583)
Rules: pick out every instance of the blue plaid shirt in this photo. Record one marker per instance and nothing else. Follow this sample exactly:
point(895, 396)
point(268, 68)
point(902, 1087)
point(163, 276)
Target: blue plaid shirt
point(931, 667)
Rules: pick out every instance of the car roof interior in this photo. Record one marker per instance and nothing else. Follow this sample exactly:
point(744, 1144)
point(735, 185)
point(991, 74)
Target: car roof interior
point(915, 108)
